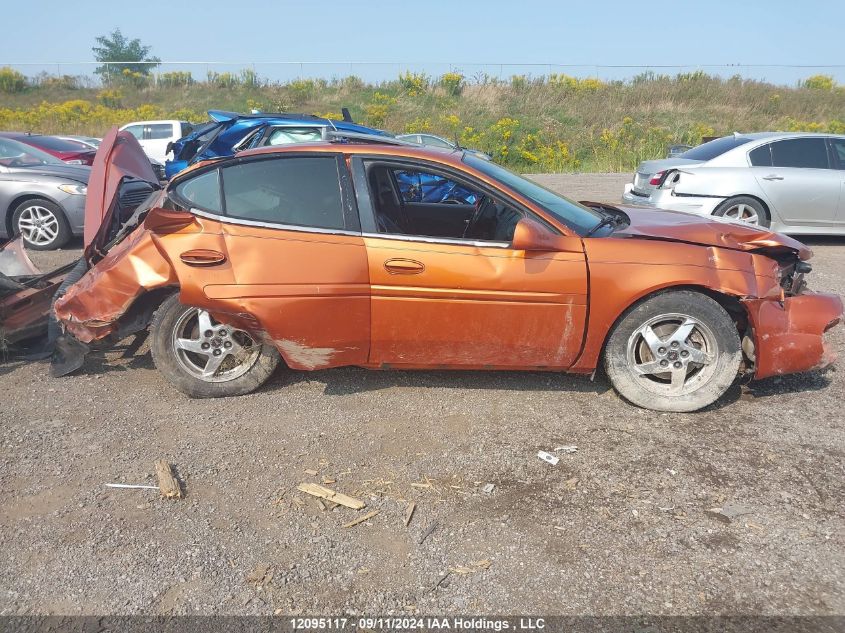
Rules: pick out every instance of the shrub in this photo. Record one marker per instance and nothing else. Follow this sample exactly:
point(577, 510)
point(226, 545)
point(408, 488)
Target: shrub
point(414, 84)
point(452, 83)
point(111, 98)
point(175, 78)
point(11, 80)
point(418, 125)
point(819, 82)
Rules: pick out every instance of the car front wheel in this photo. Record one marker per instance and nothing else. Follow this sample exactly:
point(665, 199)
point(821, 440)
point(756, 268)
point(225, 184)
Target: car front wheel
point(206, 359)
point(676, 351)
point(42, 224)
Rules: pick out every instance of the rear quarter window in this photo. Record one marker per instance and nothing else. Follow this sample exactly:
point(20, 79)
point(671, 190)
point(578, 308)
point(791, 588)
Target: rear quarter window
point(761, 156)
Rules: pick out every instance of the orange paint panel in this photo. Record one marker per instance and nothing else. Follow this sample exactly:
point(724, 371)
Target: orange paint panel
point(476, 306)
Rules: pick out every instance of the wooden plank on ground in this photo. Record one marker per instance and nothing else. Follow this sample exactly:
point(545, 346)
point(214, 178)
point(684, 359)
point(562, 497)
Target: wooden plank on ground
point(168, 485)
point(366, 517)
point(330, 495)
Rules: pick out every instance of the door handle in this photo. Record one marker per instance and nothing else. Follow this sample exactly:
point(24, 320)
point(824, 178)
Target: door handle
point(772, 177)
point(404, 266)
point(202, 257)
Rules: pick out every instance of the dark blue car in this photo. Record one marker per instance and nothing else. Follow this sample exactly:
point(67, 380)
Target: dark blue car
point(229, 132)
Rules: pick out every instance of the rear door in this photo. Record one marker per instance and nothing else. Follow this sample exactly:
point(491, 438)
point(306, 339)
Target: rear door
point(298, 261)
point(798, 181)
point(463, 302)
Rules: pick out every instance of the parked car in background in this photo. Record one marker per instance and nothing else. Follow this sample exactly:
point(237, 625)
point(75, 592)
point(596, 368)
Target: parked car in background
point(677, 150)
point(67, 150)
point(790, 182)
point(430, 140)
point(41, 197)
point(308, 253)
point(156, 136)
point(91, 141)
point(229, 132)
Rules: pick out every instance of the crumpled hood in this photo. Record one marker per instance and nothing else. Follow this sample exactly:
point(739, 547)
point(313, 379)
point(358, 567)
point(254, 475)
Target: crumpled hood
point(119, 156)
point(707, 231)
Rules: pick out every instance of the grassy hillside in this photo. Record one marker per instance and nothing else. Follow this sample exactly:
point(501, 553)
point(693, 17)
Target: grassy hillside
point(555, 123)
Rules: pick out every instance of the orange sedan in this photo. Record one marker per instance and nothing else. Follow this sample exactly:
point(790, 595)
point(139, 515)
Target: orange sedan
point(361, 251)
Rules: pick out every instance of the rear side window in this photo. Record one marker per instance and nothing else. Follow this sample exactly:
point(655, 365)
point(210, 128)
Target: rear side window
point(159, 131)
point(761, 156)
point(303, 191)
point(800, 152)
point(711, 150)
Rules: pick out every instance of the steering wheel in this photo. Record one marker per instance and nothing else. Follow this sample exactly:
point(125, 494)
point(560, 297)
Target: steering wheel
point(476, 214)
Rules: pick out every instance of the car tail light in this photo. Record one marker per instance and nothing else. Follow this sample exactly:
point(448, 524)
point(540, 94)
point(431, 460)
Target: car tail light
point(657, 178)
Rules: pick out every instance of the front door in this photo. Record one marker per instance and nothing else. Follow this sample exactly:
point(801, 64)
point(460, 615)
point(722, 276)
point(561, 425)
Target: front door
point(466, 299)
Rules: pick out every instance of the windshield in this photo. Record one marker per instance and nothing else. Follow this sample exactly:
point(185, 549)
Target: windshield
point(711, 150)
point(14, 154)
point(576, 216)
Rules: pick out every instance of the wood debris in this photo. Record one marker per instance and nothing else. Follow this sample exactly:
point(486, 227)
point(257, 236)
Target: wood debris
point(168, 485)
point(432, 526)
point(310, 471)
point(366, 517)
point(409, 512)
point(330, 495)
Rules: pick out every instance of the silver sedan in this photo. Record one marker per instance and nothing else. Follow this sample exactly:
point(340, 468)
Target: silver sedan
point(790, 182)
point(41, 198)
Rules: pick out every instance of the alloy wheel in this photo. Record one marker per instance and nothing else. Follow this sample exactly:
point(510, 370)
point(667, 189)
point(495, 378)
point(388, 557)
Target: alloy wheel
point(672, 354)
point(38, 225)
point(743, 213)
point(211, 351)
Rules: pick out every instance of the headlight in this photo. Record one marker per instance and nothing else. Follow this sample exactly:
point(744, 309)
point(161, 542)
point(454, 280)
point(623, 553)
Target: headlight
point(75, 161)
point(74, 190)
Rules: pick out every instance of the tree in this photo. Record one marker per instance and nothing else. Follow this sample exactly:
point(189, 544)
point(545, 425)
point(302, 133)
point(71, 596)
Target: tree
point(122, 54)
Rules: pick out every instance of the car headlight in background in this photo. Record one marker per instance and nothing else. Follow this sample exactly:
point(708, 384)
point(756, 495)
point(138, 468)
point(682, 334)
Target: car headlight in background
point(74, 190)
point(75, 161)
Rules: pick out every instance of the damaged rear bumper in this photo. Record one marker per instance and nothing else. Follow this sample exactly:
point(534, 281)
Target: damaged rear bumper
point(789, 334)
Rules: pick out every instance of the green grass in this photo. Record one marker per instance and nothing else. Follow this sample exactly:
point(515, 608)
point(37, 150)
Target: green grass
point(555, 123)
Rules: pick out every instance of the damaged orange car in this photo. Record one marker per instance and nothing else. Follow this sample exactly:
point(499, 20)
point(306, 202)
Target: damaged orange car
point(334, 253)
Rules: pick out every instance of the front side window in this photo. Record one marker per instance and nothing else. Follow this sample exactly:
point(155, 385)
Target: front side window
point(303, 191)
point(800, 152)
point(159, 131)
point(427, 203)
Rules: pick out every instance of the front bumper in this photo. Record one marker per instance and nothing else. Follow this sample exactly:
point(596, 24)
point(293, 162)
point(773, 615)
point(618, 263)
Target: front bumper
point(74, 208)
point(667, 199)
point(789, 334)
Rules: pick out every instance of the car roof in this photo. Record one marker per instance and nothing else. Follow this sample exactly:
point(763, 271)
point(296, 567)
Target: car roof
point(366, 147)
point(782, 135)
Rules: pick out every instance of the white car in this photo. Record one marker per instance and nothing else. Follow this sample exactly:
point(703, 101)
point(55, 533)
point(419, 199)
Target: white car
point(155, 136)
point(790, 182)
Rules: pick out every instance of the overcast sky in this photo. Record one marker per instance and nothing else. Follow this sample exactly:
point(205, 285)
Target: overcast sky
point(432, 34)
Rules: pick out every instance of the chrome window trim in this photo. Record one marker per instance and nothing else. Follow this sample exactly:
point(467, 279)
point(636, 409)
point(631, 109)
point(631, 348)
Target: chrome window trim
point(225, 219)
point(437, 240)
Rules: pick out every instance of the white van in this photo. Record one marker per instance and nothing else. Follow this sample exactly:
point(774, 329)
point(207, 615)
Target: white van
point(154, 136)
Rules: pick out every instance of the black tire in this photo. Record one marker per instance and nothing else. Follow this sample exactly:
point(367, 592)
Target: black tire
point(180, 366)
point(740, 205)
point(713, 341)
point(55, 222)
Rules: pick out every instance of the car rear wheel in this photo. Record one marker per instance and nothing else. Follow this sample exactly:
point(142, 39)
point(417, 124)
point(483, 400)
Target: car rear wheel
point(42, 224)
point(744, 209)
point(677, 351)
point(206, 359)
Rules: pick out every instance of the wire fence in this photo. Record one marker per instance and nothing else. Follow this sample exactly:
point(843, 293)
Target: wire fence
point(375, 72)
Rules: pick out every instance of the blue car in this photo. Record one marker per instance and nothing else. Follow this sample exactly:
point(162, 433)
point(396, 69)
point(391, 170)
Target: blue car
point(230, 132)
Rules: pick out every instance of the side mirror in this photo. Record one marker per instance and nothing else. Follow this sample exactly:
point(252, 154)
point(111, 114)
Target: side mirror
point(530, 235)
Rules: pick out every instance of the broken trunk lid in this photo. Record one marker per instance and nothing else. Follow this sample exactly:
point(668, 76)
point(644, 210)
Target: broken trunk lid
point(119, 156)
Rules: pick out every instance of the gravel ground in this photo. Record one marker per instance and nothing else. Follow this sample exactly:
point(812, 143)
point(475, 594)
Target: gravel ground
point(619, 527)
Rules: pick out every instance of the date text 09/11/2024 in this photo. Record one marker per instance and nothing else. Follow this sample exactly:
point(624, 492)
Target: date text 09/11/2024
point(417, 623)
